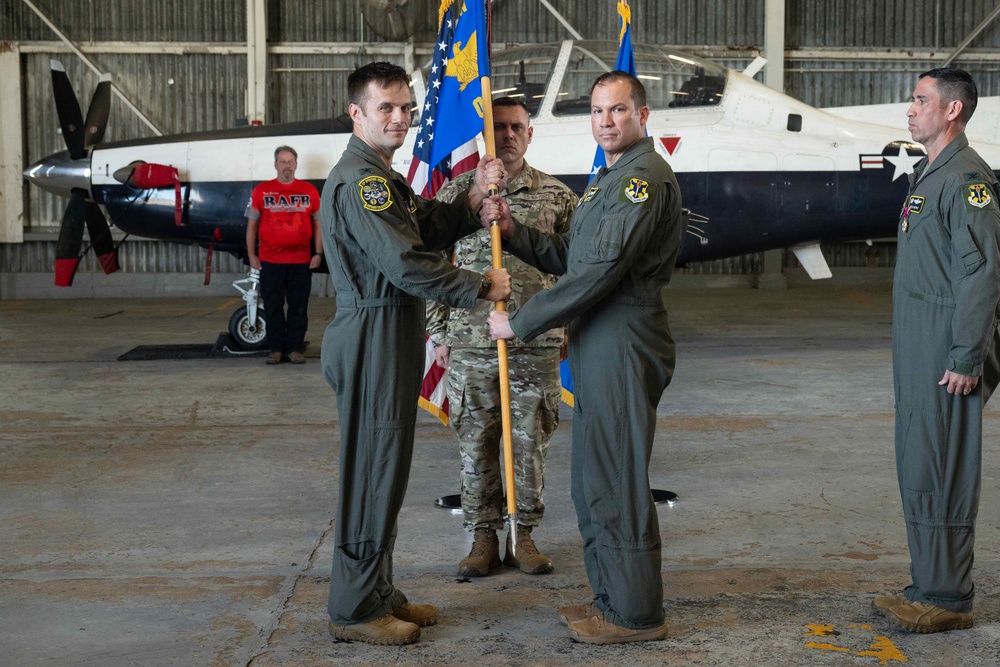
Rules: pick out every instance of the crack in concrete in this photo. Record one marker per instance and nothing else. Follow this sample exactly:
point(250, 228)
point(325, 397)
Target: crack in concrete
point(285, 594)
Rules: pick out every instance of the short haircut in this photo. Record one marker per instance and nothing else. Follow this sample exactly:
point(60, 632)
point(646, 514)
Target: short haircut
point(382, 72)
point(285, 149)
point(508, 101)
point(637, 89)
point(956, 84)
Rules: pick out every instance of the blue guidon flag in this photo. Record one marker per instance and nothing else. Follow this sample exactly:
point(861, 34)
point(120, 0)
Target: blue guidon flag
point(450, 120)
point(625, 63)
point(452, 114)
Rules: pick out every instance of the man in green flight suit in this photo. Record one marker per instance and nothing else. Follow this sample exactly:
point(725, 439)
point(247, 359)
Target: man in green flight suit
point(946, 292)
point(379, 238)
point(613, 264)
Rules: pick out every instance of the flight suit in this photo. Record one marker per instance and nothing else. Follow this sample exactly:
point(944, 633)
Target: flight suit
point(613, 263)
point(379, 237)
point(946, 292)
point(543, 202)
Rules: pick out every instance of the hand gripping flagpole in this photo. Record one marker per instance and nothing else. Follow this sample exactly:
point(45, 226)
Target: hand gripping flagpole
point(489, 138)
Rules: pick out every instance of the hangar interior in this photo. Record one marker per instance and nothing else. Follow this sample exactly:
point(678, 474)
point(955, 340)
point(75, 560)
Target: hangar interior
point(180, 511)
point(188, 67)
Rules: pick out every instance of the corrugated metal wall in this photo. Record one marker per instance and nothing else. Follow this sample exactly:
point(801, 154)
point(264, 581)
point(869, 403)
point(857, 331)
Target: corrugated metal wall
point(128, 20)
point(205, 91)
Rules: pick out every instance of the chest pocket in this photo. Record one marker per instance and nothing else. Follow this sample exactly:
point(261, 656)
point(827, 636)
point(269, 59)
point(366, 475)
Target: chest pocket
point(606, 245)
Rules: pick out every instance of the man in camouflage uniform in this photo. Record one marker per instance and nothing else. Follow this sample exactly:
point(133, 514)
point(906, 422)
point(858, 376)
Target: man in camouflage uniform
point(464, 347)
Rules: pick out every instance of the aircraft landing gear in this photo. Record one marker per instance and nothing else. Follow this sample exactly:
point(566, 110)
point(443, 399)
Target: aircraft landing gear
point(247, 327)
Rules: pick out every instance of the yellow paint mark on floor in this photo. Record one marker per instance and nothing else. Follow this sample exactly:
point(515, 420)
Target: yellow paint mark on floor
point(883, 649)
point(229, 304)
point(819, 630)
point(880, 647)
point(826, 647)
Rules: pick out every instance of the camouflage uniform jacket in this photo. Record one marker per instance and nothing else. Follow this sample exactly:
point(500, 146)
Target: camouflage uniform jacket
point(536, 200)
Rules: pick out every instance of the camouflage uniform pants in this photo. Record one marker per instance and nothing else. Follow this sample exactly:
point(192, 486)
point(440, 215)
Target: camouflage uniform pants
point(474, 407)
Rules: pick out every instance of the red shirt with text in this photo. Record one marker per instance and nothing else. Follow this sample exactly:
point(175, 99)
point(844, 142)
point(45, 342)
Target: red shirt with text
point(286, 220)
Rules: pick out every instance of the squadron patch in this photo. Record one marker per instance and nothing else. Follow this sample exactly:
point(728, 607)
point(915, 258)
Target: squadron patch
point(589, 195)
point(637, 191)
point(979, 195)
point(375, 193)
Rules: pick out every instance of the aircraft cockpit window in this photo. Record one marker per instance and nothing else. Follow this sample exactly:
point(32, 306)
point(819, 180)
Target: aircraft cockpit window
point(672, 80)
point(523, 72)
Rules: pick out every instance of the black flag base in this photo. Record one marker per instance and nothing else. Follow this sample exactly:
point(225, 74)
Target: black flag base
point(453, 503)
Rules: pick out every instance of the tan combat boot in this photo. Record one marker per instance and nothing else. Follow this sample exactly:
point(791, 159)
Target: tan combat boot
point(484, 555)
point(599, 630)
point(419, 614)
point(923, 617)
point(883, 603)
point(528, 558)
point(385, 631)
point(578, 612)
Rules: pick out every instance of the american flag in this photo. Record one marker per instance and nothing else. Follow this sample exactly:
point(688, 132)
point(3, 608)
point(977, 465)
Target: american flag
point(450, 121)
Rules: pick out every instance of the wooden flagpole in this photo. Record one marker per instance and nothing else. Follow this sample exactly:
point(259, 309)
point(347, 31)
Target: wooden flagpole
point(489, 138)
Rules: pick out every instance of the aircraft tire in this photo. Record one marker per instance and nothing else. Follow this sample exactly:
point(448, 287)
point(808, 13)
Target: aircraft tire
point(245, 336)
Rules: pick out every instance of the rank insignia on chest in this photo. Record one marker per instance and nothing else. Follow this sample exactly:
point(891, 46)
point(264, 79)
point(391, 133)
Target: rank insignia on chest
point(412, 205)
point(637, 190)
point(375, 193)
point(589, 195)
point(979, 195)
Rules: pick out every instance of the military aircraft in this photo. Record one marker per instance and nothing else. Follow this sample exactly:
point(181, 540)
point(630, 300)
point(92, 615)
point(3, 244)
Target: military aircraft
point(758, 170)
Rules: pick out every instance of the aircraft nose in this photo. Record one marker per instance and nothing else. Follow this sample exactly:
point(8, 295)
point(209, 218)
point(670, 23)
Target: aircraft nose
point(60, 174)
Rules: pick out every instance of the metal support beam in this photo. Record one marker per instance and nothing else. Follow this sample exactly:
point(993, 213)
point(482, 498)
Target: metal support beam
point(561, 19)
point(93, 67)
point(11, 156)
point(975, 33)
point(774, 44)
point(774, 77)
point(256, 60)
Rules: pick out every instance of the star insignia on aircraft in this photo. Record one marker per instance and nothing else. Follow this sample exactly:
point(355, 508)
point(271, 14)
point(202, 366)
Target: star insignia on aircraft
point(903, 162)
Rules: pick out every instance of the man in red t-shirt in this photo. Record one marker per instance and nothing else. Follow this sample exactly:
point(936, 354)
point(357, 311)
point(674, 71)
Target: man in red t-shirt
point(284, 216)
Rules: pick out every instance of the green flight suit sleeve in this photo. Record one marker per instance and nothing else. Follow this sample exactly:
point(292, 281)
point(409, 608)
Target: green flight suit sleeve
point(546, 252)
point(612, 245)
point(975, 248)
point(438, 314)
point(442, 224)
point(392, 244)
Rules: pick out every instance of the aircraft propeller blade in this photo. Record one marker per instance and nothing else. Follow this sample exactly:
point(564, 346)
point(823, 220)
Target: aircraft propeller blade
point(68, 109)
point(97, 114)
point(100, 238)
point(70, 238)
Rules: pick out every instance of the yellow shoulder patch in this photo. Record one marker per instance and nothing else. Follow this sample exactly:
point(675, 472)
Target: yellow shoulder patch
point(979, 195)
point(375, 193)
point(637, 190)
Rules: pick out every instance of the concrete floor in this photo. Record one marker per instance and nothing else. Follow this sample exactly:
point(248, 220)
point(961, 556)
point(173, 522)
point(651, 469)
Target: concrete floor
point(179, 512)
